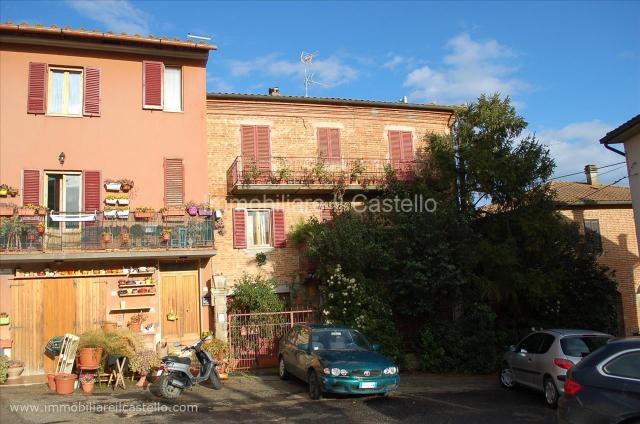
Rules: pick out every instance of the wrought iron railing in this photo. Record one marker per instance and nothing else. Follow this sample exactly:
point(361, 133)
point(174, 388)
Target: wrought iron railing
point(41, 233)
point(311, 171)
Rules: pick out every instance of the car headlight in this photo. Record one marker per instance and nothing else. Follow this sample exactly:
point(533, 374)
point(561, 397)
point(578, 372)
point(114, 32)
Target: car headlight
point(335, 372)
point(326, 371)
point(390, 370)
point(343, 372)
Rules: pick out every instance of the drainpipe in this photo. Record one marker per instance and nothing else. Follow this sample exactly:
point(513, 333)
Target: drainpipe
point(613, 149)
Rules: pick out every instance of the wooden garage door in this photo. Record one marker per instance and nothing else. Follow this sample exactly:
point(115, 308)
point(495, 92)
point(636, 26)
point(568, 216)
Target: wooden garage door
point(180, 295)
point(27, 317)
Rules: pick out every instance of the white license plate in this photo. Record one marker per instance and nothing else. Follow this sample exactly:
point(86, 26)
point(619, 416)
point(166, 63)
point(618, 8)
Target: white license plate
point(368, 385)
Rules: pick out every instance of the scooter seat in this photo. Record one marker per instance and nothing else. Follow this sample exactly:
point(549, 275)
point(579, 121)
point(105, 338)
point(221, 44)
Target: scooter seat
point(178, 359)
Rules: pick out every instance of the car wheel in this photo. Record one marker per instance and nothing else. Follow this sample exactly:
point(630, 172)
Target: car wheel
point(550, 393)
point(315, 390)
point(507, 378)
point(282, 370)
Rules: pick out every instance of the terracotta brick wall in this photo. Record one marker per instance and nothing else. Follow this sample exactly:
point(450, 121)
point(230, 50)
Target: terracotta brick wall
point(620, 254)
point(363, 134)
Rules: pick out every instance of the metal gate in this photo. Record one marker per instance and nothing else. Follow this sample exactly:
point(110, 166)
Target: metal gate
point(254, 338)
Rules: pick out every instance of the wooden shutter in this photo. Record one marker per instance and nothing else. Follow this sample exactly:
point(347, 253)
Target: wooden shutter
point(173, 181)
point(239, 229)
point(407, 146)
point(334, 144)
point(279, 236)
point(37, 89)
point(91, 189)
point(263, 148)
point(152, 82)
point(91, 106)
point(329, 144)
point(30, 187)
point(323, 142)
point(395, 146)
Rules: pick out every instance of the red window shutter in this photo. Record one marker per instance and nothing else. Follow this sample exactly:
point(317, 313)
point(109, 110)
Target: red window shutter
point(239, 229)
point(152, 82)
point(30, 187)
point(37, 90)
point(92, 187)
point(334, 144)
point(279, 236)
point(395, 146)
point(263, 148)
point(91, 105)
point(323, 142)
point(173, 181)
point(326, 214)
point(407, 146)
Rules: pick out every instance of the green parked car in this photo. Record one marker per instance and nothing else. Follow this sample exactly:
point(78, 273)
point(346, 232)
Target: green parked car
point(334, 359)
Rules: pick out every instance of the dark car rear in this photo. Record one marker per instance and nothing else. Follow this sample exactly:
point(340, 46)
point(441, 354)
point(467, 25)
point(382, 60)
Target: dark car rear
point(604, 387)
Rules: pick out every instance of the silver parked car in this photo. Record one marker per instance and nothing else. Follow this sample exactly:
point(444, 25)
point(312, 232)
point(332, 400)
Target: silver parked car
point(541, 360)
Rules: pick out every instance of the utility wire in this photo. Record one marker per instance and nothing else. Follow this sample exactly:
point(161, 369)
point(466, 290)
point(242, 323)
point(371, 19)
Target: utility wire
point(608, 185)
point(582, 172)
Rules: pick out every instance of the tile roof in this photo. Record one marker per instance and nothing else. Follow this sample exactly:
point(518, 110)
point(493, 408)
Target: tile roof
point(96, 35)
point(576, 193)
point(330, 100)
point(612, 136)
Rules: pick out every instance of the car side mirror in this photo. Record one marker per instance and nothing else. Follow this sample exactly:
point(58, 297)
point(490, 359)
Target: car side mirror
point(375, 347)
point(512, 348)
point(303, 346)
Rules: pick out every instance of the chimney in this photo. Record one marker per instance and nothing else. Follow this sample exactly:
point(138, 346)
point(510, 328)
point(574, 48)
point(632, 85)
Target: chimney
point(591, 171)
point(404, 99)
point(274, 91)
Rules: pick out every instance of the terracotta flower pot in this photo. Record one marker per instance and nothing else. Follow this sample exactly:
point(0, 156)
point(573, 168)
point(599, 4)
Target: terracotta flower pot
point(87, 388)
point(51, 381)
point(65, 383)
point(90, 357)
point(134, 326)
point(165, 236)
point(107, 237)
point(108, 326)
point(26, 212)
point(143, 215)
point(6, 211)
point(14, 372)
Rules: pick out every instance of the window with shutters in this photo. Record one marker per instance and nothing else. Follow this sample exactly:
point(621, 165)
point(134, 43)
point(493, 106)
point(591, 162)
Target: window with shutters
point(592, 234)
point(329, 144)
point(173, 181)
point(259, 232)
point(65, 91)
point(256, 149)
point(258, 228)
point(172, 89)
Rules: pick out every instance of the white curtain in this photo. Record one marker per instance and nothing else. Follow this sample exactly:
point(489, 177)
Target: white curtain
point(57, 87)
point(75, 93)
point(172, 89)
point(251, 239)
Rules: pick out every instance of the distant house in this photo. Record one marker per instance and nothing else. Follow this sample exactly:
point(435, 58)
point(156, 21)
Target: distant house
point(605, 214)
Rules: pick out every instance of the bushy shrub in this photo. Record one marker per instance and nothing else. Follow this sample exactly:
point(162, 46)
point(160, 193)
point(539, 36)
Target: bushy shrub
point(144, 360)
point(255, 293)
point(4, 365)
point(468, 345)
point(217, 348)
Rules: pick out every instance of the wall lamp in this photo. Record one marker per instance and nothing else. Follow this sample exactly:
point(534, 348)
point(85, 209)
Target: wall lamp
point(61, 158)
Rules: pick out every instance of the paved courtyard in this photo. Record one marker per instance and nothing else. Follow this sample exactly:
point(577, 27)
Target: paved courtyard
point(264, 398)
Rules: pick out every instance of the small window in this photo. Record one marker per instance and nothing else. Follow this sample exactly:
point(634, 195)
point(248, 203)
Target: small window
point(592, 234)
point(303, 336)
point(581, 346)
point(627, 365)
point(531, 344)
point(259, 228)
point(65, 92)
point(172, 89)
point(547, 341)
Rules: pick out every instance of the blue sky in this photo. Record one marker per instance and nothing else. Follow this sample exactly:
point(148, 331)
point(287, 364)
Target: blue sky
point(572, 68)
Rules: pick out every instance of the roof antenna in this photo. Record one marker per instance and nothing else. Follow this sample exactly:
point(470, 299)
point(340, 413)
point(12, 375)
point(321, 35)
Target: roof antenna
point(199, 37)
point(307, 59)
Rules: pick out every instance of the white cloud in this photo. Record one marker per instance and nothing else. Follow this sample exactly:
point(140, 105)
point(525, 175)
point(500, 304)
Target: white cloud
point(393, 62)
point(219, 85)
point(469, 69)
point(116, 15)
point(576, 145)
point(330, 72)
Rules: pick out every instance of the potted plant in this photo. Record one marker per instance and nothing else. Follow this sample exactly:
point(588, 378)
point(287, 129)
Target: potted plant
point(112, 185)
point(124, 238)
point(220, 351)
point(356, 171)
point(87, 381)
point(122, 199)
point(142, 362)
point(65, 383)
point(4, 318)
point(14, 369)
point(126, 184)
point(320, 173)
point(110, 212)
point(166, 234)
point(172, 316)
point(41, 210)
point(13, 192)
point(111, 199)
point(27, 210)
point(192, 208)
point(40, 227)
point(143, 212)
point(4, 190)
point(175, 210)
point(7, 209)
point(122, 212)
point(106, 236)
point(135, 322)
point(90, 348)
point(284, 171)
point(252, 174)
point(204, 209)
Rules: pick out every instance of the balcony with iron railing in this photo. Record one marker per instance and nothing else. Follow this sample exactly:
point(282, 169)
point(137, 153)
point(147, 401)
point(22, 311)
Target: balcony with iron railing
point(95, 233)
point(313, 174)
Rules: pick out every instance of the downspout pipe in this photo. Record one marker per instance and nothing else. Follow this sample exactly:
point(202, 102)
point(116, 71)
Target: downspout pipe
point(614, 150)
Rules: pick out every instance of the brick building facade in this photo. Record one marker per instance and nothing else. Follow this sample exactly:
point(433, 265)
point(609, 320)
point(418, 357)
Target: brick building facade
point(605, 214)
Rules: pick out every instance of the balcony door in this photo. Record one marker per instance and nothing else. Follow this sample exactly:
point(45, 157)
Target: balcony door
point(63, 193)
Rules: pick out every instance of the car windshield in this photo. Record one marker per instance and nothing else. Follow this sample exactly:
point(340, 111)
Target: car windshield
point(581, 346)
point(338, 339)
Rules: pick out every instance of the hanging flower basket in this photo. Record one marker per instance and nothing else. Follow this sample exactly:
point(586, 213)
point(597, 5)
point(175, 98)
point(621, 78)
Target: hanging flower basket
point(123, 201)
point(123, 214)
point(171, 316)
point(192, 210)
point(112, 186)
point(4, 192)
point(5, 320)
point(111, 201)
point(110, 214)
